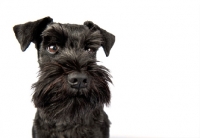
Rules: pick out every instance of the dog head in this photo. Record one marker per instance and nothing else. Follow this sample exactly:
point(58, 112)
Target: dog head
point(70, 81)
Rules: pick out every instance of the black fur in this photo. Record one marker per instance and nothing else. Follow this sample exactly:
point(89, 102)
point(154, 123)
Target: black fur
point(62, 110)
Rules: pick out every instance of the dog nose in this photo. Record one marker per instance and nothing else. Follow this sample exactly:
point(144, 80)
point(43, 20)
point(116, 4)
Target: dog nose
point(78, 80)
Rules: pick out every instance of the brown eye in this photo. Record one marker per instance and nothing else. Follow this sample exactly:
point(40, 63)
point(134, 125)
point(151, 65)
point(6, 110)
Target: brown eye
point(52, 49)
point(90, 50)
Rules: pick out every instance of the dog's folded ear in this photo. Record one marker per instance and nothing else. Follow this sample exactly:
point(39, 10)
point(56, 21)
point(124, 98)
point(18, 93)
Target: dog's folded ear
point(108, 38)
point(30, 32)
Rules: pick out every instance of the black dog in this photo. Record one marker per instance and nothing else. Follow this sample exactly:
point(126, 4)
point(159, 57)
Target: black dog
point(72, 89)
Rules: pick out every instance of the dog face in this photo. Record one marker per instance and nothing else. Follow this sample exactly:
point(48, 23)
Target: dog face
point(70, 82)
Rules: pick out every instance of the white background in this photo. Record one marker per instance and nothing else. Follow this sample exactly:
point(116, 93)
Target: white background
point(154, 64)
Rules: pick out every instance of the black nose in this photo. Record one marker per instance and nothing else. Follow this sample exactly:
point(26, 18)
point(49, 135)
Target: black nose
point(78, 80)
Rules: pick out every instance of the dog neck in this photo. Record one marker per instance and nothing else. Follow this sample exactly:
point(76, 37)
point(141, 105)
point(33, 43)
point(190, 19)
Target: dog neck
point(66, 120)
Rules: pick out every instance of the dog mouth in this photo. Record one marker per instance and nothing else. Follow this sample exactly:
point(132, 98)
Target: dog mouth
point(79, 91)
point(79, 85)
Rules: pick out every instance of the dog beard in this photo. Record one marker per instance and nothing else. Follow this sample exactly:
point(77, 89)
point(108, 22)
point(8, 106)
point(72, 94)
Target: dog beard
point(53, 94)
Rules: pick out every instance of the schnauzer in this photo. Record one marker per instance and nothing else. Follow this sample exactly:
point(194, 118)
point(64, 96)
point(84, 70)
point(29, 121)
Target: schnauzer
point(72, 89)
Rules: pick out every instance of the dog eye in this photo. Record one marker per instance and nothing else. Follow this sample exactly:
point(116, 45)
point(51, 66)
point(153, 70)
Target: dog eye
point(90, 50)
point(52, 49)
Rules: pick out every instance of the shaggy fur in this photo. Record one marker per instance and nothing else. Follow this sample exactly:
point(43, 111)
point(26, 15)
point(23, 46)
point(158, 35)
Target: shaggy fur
point(64, 111)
